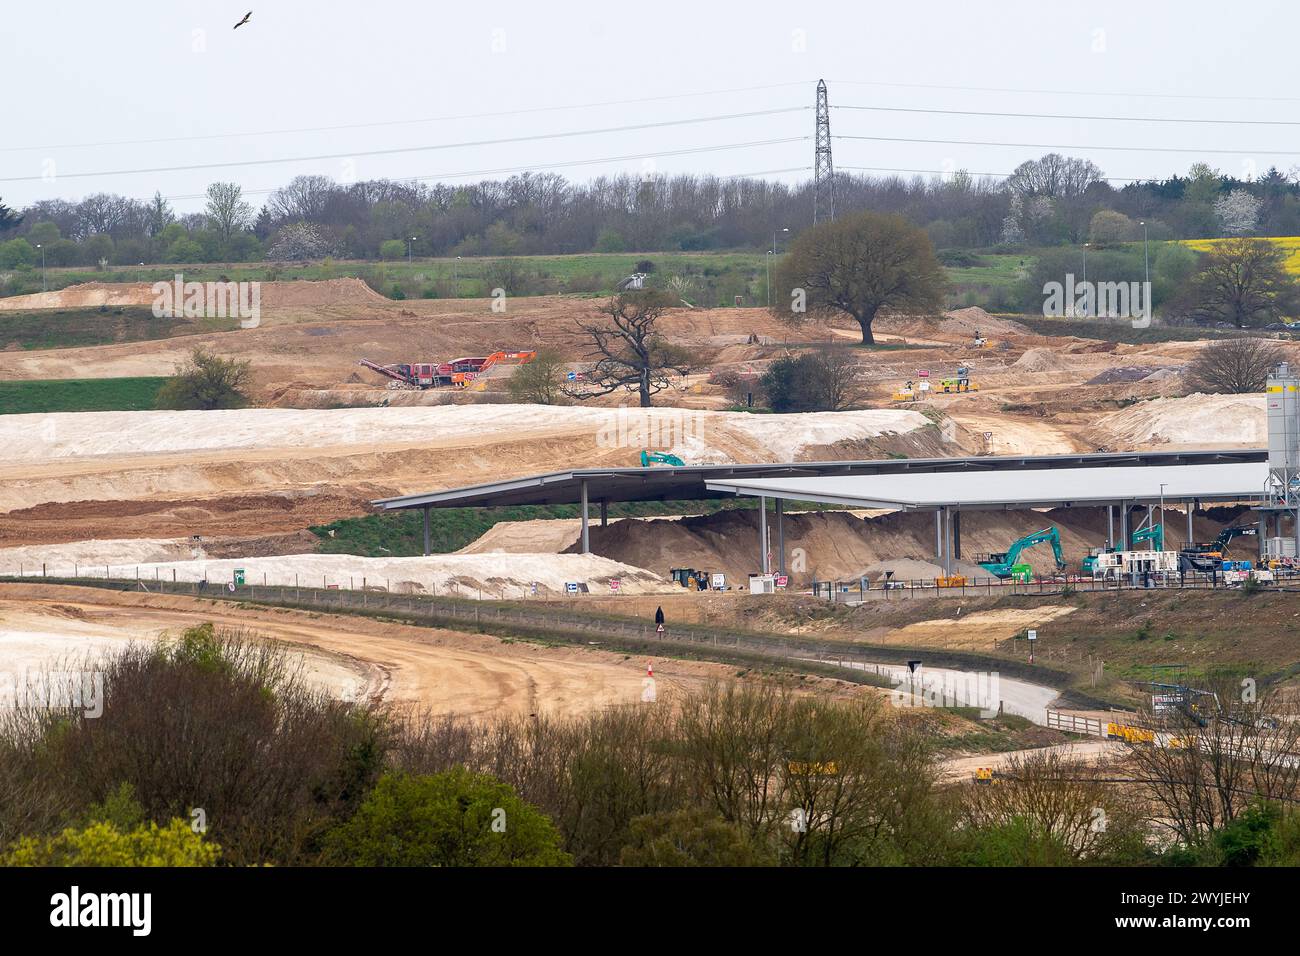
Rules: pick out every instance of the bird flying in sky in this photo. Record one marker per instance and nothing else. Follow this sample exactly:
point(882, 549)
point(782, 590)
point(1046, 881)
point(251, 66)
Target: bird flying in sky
point(245, 20)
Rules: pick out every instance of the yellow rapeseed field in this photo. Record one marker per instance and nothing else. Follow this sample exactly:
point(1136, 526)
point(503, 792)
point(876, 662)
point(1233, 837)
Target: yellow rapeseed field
point(1291, 244)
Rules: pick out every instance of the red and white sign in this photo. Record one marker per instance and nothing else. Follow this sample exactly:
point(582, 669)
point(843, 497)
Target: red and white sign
point(782, 580)
point(924, 373)
point(614, 584)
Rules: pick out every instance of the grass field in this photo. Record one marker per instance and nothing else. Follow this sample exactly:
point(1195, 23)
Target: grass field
point(79, 395)
point(1118, 331)
point(716, 278)
point(401, 533)
point(69, 328)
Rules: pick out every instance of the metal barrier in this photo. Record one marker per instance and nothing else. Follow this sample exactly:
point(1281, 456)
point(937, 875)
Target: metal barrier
point(1076, 724)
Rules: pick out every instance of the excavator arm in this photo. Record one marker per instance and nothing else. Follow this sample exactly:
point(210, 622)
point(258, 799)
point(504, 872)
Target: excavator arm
point(1001, 564)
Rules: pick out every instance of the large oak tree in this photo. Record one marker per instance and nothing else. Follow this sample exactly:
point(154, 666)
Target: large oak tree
point(858, 266)
point(629, 351)
point(1241, 281)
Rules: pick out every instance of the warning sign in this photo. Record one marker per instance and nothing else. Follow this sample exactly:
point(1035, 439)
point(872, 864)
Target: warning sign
point(614, 584)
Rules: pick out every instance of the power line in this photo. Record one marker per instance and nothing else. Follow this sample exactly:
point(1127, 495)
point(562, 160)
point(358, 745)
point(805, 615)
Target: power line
point(1125, 95)
point(949, 172)
point(1063, 116)
point(577, 162)
point(412, 149)
point(390, 123)
point(1086, 146)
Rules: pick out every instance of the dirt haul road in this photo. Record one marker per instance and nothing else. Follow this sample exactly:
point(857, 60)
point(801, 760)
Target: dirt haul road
point(445, 672)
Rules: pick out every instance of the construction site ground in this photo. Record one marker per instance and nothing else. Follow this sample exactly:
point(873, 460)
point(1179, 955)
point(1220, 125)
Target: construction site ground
point(131, 489)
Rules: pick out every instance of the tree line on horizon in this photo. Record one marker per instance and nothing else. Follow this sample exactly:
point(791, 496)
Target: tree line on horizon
point(1052, 201)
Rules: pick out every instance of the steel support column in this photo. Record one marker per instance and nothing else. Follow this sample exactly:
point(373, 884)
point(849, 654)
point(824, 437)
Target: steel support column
point(956, 535)
point(427, 544)
point(762, 535)
point(938, 535)
point(1191, 510)
point(780, 535)
point(1110, 526)
point(604, 513)
point(947, 540)
point(586, 531)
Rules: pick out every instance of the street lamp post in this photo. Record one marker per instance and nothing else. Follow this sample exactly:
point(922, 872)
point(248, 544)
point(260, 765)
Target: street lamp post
point(455, 275)
point(770, 256)
point(1146, 258)
point(1087, 299)
point(41, 247)
point(408, 249)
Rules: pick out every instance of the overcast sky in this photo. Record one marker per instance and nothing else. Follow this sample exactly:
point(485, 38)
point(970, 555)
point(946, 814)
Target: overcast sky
point(90, 72)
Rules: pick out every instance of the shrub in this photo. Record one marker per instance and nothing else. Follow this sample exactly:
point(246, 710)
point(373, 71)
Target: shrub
point(102, 844)
point(456, 818)
point(207, 381)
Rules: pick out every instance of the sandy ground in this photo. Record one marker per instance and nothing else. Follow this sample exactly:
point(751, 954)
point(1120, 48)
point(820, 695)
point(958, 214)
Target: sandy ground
point(975, 631)
point(60, 636)
point(444, 671)
point(1087, 752)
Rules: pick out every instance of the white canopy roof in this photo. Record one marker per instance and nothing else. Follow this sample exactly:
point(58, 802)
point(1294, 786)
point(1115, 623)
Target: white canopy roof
point(1030, 488)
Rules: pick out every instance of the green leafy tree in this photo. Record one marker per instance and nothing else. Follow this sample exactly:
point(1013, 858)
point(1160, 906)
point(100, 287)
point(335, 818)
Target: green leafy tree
point(16, 253)
point(456, 818)
point(1243, 282)
point(691, 838)
point(392, 249)
point(102, 844)
point(227, 211)
point(207, 381)
point(541, 381)
point(824, 380)
point(858, 266)
point(8, 219)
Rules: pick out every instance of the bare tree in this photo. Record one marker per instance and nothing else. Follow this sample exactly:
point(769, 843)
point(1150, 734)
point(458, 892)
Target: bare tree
point(1235, 366)
point(630, 353)
point(1059, 798)
point(1054, 176)
point(1220, 749)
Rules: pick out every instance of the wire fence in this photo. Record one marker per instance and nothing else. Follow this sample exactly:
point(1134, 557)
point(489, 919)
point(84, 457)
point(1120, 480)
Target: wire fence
point(869, 663)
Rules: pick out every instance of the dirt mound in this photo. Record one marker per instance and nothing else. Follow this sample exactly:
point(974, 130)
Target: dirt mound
point(275, 295)
point(975, 319)
point(1208, 420)
point(467, 575)
point(325, 292)
point(83, 295)
point(1042, 360)
point(1123, 374)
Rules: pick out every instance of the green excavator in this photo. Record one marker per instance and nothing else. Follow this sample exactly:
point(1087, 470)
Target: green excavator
point(1006, 564)
point(660, 458)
